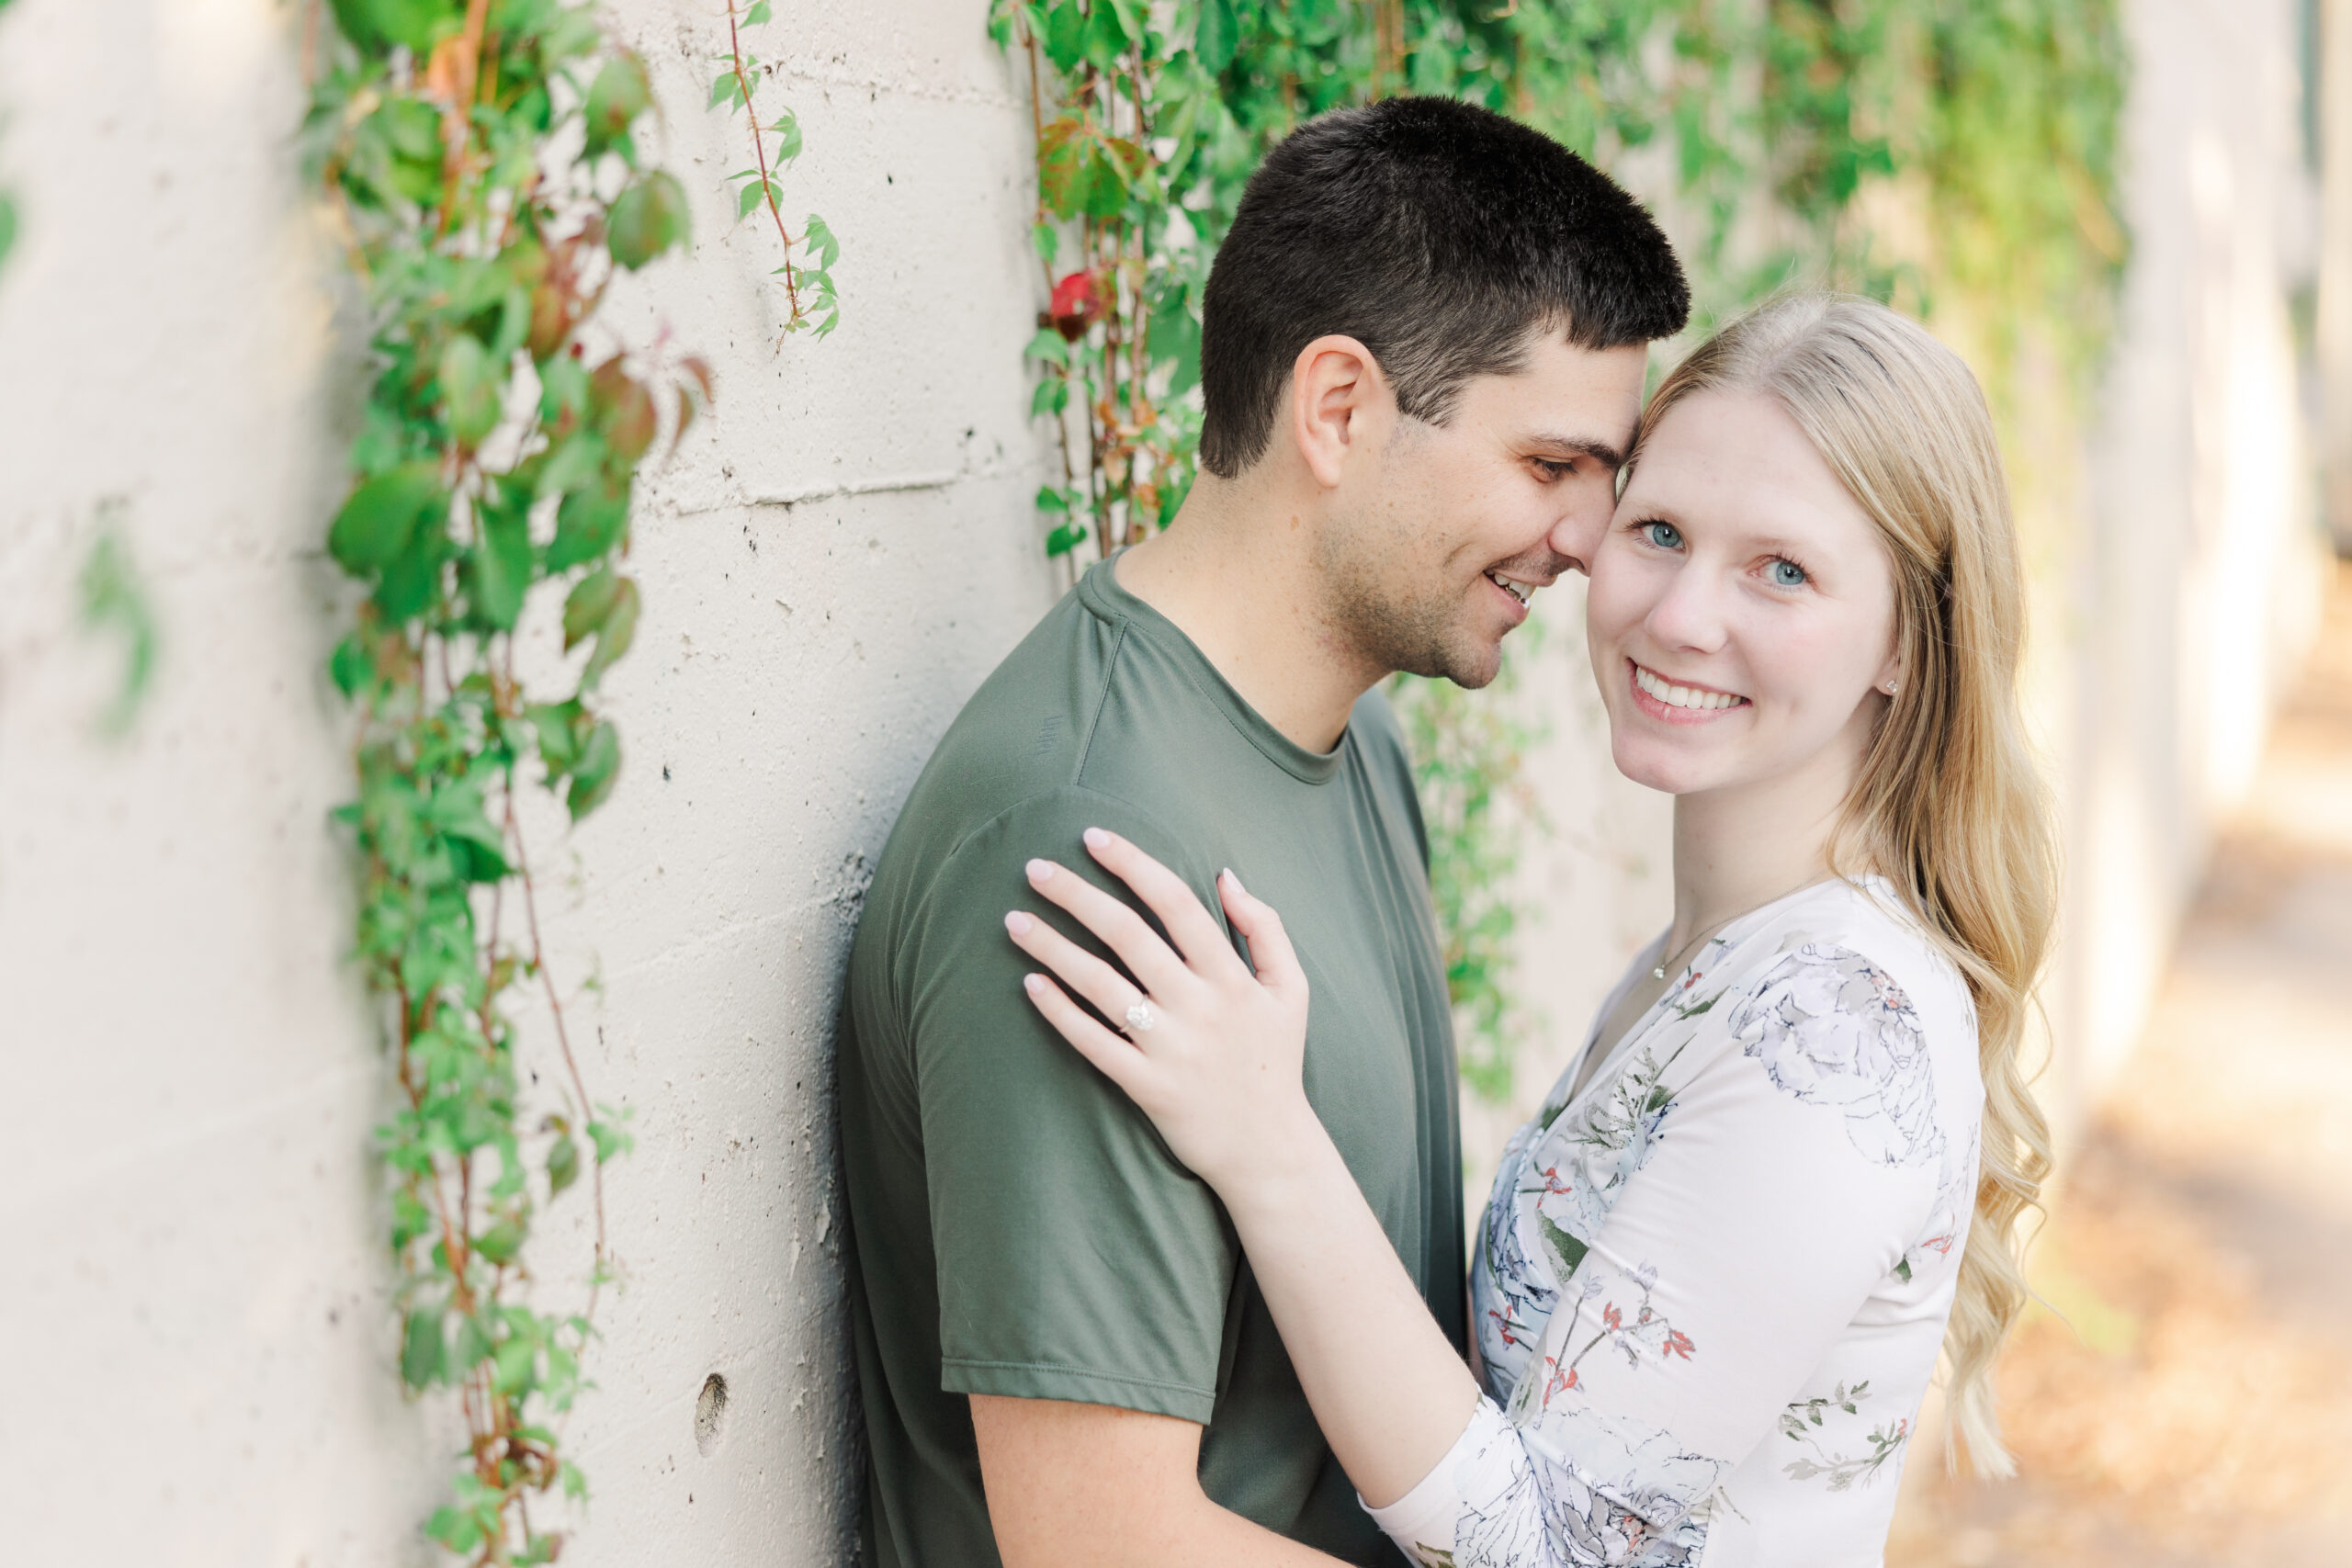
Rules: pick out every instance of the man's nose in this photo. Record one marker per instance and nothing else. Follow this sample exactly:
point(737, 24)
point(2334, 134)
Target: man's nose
point(1576, 538)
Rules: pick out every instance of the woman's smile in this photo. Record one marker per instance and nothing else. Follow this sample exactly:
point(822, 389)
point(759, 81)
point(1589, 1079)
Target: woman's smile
point(1679, 701)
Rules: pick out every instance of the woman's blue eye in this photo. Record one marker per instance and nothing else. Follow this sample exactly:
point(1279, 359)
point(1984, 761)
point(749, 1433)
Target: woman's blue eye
point(1787, 574)
point(1665, 535)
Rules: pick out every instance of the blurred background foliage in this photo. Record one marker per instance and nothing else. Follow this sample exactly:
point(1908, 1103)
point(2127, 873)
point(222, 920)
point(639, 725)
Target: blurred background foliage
point(1955, 157)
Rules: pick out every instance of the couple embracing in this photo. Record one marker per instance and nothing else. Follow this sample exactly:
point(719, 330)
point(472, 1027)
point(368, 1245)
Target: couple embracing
point(1148, 1088)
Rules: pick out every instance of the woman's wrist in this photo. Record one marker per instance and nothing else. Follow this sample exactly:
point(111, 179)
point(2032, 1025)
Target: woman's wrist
point(1282, 1170)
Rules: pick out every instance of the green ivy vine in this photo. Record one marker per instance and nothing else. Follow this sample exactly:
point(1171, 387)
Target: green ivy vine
point(8, 202)
point(482, 160)
point(810, 300)
point(1781, 120)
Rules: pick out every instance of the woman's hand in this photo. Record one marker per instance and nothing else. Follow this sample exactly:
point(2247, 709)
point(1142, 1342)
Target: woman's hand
point(1211, 1052)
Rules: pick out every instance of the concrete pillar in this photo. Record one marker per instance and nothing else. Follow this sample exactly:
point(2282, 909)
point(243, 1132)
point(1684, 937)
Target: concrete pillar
point(2334, 76)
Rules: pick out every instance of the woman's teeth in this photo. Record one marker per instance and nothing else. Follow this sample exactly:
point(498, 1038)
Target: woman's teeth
point(1519, 591)
point(1676, 697)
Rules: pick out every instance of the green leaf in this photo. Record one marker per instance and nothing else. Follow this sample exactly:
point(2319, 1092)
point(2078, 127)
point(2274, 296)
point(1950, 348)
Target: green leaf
point(589, 606)
point(562, 729)
point(592, 777)
point(459, 1529)
point(788, 130)
point(473, 1347)
point(379, 24)
point(517, 1364)
point(1066, 539)
point(619, 96)
point(563, 1165)
point(113, 598)
point(383, 516)
point(1047, 241)
point(822, 247)
point(501, 1242)
point(750, 197)
point(578, 461)
point(610, 1140)
point(1217, 35)
point(471, 381)
point(648, 219)
point(1105, 38)
point(424, 1352)
point(613, 633)
point(410, 1220)
point(498, 570)
point(724, 89)
point(1051, 500)
point(1051, 397)
point(1065, 35)
point(757, 14)
point(588, 524)
point(1048, 345)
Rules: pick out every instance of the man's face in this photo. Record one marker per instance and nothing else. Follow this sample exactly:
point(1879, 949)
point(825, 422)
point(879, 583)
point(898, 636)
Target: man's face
point(1431, 550)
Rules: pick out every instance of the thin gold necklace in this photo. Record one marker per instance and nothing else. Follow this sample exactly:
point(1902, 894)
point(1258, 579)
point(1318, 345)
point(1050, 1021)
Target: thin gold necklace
point(1659, 973)
point(1694, 943)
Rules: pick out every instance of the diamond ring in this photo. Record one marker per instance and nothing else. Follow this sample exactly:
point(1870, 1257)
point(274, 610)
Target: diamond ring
point(1140, 1018)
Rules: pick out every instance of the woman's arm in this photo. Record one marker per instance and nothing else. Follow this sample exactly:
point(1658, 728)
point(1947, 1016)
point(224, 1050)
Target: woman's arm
point(1218, 1069)
point(1793, 1175)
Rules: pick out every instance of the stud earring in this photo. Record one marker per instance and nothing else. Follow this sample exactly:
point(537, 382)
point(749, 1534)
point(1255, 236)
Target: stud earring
point(1893, 687)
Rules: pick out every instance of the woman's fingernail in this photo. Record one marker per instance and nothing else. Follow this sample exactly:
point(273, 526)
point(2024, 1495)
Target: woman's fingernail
point(1033, 983)
point(1018, 923)
point(1096, 839)
point(1235, 880)
point(1040, 870)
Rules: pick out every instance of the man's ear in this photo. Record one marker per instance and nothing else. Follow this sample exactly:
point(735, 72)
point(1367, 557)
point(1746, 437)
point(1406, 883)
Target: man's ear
point(1339, 399)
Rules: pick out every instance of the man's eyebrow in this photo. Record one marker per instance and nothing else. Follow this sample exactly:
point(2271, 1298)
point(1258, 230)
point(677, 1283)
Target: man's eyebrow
point(1579, 447)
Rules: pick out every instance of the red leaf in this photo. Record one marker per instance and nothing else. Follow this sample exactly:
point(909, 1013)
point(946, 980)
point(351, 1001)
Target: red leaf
point(1075, 305)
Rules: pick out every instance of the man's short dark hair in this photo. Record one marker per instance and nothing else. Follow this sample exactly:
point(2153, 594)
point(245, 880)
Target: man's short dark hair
point(1439, 235)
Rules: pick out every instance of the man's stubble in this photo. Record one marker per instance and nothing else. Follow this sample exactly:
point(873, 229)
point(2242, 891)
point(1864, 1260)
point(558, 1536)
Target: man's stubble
point(1391, 605)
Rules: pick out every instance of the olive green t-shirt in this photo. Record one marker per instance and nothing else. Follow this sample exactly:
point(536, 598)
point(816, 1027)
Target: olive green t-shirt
point(1017, 1226)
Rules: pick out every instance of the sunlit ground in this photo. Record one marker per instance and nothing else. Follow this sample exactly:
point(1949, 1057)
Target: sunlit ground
point(2186, 1400)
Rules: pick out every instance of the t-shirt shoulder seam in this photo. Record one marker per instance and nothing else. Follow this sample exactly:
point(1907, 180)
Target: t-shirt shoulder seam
point(1101, 698)
point(1032, 798)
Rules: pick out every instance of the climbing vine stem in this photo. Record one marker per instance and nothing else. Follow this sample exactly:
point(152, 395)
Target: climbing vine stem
point(1775, 137)
point(481, 158)
point(810, 301)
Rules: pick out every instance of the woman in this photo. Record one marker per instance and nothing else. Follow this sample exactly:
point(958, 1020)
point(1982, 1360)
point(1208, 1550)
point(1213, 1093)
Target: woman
point(1716, 1269)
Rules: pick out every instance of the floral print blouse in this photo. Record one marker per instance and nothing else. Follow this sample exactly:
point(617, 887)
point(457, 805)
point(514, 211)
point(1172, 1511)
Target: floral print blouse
point(1711, 1287)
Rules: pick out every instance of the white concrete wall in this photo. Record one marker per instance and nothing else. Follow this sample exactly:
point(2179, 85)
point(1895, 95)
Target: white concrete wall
point(192, 1284)
point(2199, 588)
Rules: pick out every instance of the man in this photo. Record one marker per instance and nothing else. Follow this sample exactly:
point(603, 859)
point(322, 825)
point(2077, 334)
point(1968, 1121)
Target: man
point(1422, 356)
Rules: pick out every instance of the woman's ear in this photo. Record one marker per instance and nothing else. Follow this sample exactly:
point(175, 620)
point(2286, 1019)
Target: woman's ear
point(1338, 393)
point(1889, 674)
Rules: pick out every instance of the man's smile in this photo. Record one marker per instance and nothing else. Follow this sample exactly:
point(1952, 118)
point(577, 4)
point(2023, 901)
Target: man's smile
point(1523, 591)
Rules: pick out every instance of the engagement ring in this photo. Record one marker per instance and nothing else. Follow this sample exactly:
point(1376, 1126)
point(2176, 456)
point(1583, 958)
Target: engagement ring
point(1140, 1019)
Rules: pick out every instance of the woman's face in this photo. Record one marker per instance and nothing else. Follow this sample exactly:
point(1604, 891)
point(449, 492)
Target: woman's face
point(1742, 613)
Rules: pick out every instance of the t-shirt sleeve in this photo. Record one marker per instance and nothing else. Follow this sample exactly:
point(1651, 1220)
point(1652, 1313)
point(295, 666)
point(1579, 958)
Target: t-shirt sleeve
point(1768, 1196)
point(1077, 1259)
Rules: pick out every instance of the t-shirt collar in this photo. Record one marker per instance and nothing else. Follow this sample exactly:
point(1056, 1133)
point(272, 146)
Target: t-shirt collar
point(1099, 592)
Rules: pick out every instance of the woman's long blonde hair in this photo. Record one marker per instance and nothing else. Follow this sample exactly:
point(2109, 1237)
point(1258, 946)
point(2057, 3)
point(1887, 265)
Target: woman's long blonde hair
point(1949, 805)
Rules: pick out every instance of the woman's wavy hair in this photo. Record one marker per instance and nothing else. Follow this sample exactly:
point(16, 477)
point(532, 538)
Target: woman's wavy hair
point(1950, 805)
